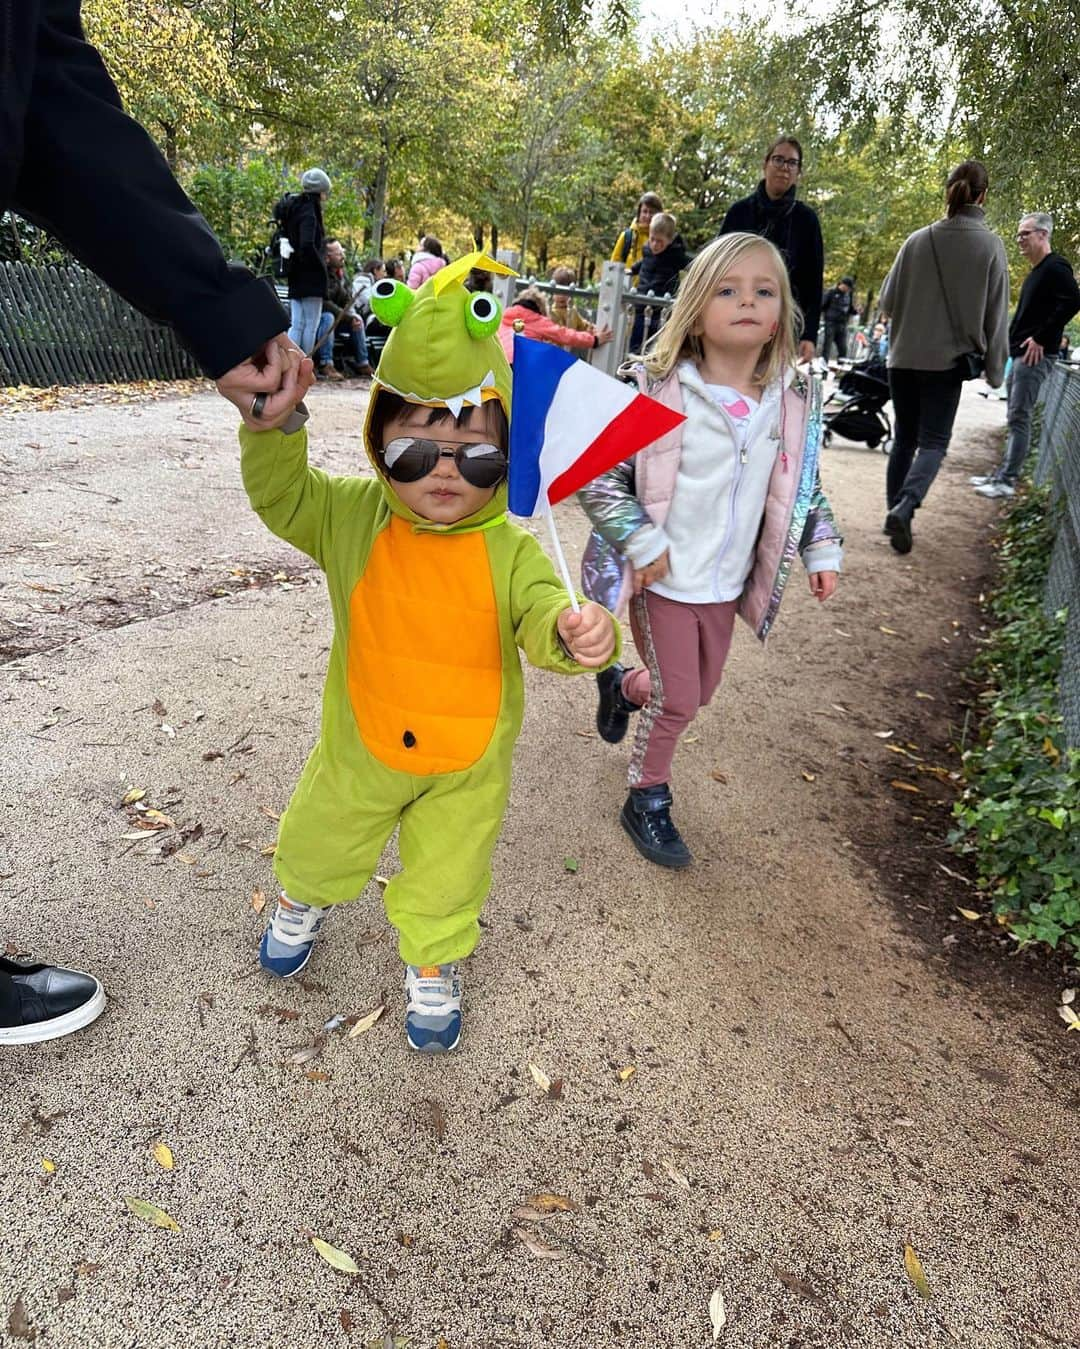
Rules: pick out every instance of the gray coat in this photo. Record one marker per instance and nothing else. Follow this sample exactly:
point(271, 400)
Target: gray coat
point(976, 278)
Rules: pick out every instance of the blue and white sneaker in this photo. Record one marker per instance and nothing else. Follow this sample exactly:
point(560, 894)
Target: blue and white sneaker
point(433, 1007)
point(288, 941)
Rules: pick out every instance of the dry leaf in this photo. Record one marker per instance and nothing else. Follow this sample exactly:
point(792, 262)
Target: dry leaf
point(150, 1213)
point(436, 1117)
point(268, 851)
point(625, 1074)
point(809, 777)
point(317, 1075)
point(1051, 750)
point(905, 786)
point(1072, 1021)
point(332, 1256)
point(717, 1314)
point(969, 914)
point(913, 1266)
point(158, 819)
point(540, 1078)
point(307, 1052)
point(1068, 995)
point(677, 1176)
point(717, 776)
point(539, 1248)
point(132, 795)
point(366, 1022)
point(884, 735)
point(48, 1166)
point(19, 1323)
point(163, 1156)
point(552, 1203)
point(384, 881)
point(889, 632)
point(841, 633)
point(926, 697)
point(258, 900)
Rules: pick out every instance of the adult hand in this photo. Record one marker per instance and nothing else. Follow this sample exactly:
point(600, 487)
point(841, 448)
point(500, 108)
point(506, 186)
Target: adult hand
point(602, 335)
point(589, 635)
point(261, 373)
point(1033, 353)
point(822, 584)
point(655, 571)
point(807, 351)
point(297, 375)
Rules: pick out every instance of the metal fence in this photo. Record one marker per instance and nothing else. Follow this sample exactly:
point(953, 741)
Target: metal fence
point(612, 304)
point(1058, 466)
point(62, 325)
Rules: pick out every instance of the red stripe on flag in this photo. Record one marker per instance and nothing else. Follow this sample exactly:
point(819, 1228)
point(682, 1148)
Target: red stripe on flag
point(639, 424)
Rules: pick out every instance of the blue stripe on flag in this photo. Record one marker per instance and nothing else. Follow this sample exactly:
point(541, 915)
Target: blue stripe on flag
point(538, 368)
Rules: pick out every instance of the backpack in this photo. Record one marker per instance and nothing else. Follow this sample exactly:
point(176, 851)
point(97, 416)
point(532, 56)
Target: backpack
point(279, 255)
point(627, 243)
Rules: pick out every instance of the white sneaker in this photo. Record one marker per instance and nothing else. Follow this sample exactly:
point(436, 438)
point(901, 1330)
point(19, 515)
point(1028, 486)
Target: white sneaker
point(433, 1007)
point(996, 489)
point(981, 479)
point(290, 936)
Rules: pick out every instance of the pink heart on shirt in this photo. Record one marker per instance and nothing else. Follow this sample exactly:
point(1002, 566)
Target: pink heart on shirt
point(740, 408)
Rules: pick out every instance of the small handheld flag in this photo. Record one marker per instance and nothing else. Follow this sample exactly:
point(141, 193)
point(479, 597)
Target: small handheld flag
point(569, 423)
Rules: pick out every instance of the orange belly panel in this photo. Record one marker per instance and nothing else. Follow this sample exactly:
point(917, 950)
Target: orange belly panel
point(424, 658)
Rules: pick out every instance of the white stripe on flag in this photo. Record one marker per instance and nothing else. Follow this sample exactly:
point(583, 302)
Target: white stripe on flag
point(584, 403)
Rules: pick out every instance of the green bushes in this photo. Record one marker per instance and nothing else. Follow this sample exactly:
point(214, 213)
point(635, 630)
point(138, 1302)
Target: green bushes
point(1019, 816)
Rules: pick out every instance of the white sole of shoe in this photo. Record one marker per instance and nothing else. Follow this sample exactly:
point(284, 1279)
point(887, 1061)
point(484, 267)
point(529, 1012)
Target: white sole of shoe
point(39, 1031)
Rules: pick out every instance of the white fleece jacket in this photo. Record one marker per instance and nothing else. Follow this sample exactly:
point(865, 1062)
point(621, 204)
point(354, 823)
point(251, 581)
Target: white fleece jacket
point(712, 526)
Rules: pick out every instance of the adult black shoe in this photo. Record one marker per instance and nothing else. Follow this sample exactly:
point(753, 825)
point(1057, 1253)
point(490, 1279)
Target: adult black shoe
point(898, 524)
point(646, 817)
point(44, 1002)
point(613, 713)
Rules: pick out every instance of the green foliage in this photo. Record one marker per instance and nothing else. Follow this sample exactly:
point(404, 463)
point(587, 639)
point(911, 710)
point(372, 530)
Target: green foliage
point(1020, 813)
point(237, 200)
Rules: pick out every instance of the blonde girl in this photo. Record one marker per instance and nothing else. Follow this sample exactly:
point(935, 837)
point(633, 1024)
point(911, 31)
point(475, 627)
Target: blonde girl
point(705, 523)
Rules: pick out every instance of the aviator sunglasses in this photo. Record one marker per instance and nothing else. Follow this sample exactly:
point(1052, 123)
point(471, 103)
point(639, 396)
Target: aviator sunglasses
point(408, 460)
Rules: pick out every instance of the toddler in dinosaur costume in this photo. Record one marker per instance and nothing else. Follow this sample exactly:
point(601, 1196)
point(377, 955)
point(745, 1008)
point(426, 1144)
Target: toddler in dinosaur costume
point(433, 591)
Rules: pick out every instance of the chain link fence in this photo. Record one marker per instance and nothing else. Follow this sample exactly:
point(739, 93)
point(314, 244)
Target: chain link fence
point(1058, 467)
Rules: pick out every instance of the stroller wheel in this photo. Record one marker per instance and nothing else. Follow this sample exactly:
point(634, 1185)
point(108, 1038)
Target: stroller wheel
point(826, 439)
point(886, 445)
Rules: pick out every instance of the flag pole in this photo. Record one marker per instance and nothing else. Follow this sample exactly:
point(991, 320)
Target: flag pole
point(561, 558)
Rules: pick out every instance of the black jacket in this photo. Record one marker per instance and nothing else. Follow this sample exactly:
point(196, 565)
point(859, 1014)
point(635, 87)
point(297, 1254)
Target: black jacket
point(307, 266)
point(72, 161)
point(1049, 298)
point(796, 231)
point(659, 272)
point(836, 306)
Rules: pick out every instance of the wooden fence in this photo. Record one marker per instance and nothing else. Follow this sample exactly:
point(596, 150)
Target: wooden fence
point(61, 325)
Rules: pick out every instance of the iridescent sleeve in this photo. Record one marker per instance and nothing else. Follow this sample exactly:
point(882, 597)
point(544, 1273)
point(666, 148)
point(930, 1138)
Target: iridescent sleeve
point(613, 509)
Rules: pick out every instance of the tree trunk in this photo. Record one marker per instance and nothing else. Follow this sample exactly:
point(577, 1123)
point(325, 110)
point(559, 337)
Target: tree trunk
point(478, 236)
point(170, 145)
point(542, 259)
point(378, 204)
point(494, 240)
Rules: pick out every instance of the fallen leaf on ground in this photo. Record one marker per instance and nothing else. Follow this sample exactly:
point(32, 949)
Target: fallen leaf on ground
point(809, 777)
point(283, 1014)
point(884, 735)
point(540, 1078)
point(570, 863)
point(954, 874)
point(436, 1117)
point(339, 1259)
point(913, 1266)
point(539, 1248)
point(969, 914)
point(307, 1052)
point(258, 900)
point(889, 632)
point(48, 1166)
point(367, 1021)
point(19, 1323)
point(317, 1075)
point(926, 697)
point(717, 776)
point(794, 1284)
point(625, 1074)
point(674, 1175)
point(384, 881)
point(1072, 1021)
point(268, 851)
point(132, 795)
point(150, 1213)
point(1068, 995)
point(163, 1156)
point(717, 1314)
point(905, 786)
point(552, 1203)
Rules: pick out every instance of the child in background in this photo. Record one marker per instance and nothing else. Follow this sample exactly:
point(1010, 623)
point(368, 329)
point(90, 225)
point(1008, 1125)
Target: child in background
point(433, 591)
point(662, 259)
point(528, 316)
point(563, 310)
point(705, 523)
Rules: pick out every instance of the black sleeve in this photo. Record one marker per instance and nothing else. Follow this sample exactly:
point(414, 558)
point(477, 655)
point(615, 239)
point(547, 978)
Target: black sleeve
point(810, 276)
point(1062, 300)
point(728, 224)
point(93, 177)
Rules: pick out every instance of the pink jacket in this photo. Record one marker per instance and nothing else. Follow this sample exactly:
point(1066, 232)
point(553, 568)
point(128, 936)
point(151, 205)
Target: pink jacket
point(541, 328)
point(424, 266)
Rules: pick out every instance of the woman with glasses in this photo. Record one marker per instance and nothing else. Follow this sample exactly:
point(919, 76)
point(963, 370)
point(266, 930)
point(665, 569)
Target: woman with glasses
point(772, 211)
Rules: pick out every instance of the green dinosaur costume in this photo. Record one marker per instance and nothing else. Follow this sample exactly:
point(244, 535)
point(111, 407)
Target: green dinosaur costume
point(424, 693)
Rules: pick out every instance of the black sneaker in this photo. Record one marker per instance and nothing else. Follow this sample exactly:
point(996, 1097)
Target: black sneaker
point(646, 817)
point(44, 1002)
point(898, 524)
point(613, 713)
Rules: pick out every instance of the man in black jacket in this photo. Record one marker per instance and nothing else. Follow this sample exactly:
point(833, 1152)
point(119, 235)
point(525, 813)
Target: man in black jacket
point(773, 212)
point(1049, 298)
point(72, 161)
point(836, 309)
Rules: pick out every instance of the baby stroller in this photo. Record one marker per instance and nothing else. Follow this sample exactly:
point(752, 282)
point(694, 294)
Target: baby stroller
point(856, 407)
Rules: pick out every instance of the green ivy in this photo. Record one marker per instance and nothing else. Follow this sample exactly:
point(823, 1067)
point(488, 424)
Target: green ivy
point(1019, 816)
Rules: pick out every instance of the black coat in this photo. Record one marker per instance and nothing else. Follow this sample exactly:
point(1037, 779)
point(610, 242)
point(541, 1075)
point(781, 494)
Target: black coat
point(659, 272)
point(307, 266)
point(796, 231)
point(72, 161)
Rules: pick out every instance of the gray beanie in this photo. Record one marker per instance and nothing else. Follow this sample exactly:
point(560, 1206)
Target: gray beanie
point(315, 181)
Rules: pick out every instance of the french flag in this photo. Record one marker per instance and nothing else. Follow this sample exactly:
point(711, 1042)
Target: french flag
point(569, 423)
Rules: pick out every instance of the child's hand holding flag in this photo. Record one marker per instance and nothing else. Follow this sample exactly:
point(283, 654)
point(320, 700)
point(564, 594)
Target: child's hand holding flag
point(588, 635)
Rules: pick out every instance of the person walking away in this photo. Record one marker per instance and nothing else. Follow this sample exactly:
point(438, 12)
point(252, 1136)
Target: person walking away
point(773, 211)
point(72, 161)
point(837, 306)
point(631, 242)
point(947, 295)
point(427, 260)
point(1048, 299)
point(433, 592)
point(662, 259)
point(307, 260)
point(704, 523)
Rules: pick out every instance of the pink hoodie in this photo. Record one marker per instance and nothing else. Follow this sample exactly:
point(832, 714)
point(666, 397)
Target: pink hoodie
point(424, 266)
point(541, 328)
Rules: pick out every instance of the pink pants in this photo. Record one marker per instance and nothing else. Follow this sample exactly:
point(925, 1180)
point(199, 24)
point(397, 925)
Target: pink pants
point(684, 647)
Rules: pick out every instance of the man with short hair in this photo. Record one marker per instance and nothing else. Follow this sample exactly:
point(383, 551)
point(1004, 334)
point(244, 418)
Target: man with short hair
point(836, 311)
point(1049, 297)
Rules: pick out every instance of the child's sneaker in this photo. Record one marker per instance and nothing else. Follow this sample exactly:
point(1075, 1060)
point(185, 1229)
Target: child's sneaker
point(433, 1007)
point(646, 817)
point(288, 941)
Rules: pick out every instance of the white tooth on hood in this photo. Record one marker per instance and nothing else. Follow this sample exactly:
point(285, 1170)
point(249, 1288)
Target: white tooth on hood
point(473, 395)
point(455, 405)
point(488, 382)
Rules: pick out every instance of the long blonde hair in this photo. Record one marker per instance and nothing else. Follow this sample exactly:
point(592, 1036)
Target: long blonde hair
point(677, 339)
